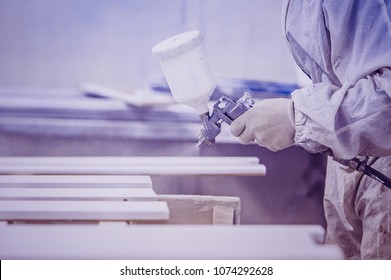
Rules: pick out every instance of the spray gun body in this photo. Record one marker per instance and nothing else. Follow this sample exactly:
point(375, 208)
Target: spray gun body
point(225, 110)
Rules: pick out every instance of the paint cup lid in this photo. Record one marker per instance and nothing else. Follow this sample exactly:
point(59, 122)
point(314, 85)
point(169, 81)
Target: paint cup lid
point(177, 45)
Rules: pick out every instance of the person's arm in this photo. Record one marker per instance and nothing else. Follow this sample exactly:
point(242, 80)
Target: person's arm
point(351, 120)
point(347, 52)
point(345, 46)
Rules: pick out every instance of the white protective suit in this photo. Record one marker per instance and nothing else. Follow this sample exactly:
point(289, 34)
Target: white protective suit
point(345, 48)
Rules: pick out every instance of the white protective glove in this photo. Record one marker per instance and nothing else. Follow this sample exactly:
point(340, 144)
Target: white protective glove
point(270, 122)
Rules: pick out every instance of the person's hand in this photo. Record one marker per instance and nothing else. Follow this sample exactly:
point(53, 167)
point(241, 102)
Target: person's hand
point(270, 123)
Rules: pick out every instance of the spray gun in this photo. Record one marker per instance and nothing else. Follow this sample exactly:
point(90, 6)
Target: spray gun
point(183, 61)
point(225, 110)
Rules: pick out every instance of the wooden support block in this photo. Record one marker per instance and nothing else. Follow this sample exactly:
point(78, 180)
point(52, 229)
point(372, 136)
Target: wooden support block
point(84, 194)
point(223, 215)
point(83, 210)
point(75, 181)
point(200, 209)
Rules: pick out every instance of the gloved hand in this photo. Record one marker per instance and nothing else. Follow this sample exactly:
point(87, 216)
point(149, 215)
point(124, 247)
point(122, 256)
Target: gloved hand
point(270, 122)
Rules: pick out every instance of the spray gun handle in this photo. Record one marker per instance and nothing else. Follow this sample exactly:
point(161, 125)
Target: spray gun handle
point(222, 108)
point(242, 105)
point(228, 110)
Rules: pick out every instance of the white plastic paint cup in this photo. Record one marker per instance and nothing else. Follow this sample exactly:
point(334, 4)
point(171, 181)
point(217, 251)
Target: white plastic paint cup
point(183, 60)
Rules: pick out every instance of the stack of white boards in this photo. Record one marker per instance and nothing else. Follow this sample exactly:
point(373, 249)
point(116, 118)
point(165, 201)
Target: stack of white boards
point(71, 198)
point(84, 208)
point(100, 188)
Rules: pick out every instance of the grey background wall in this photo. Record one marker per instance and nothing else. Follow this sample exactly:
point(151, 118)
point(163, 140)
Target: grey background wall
point(69, 42)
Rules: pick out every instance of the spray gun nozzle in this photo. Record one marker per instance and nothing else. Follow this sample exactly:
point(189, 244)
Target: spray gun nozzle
point(212, 128)
point(203, 141)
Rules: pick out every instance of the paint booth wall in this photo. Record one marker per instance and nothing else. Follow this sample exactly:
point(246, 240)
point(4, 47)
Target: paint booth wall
point(65, 43)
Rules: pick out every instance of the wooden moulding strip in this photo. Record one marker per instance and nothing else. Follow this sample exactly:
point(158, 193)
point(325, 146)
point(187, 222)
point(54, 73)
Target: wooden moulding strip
point(75, 194)
point(238, 166)
point(83, 210)
point(109, 160)
point(74, 181)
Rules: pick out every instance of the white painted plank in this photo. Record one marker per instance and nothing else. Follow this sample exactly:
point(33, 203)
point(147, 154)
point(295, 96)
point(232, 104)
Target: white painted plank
point(246, 166)
point(83, 210)
point(166, 242)
point(129, 161)
point(249, 170)
point(75, 181)
point(77, 194)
